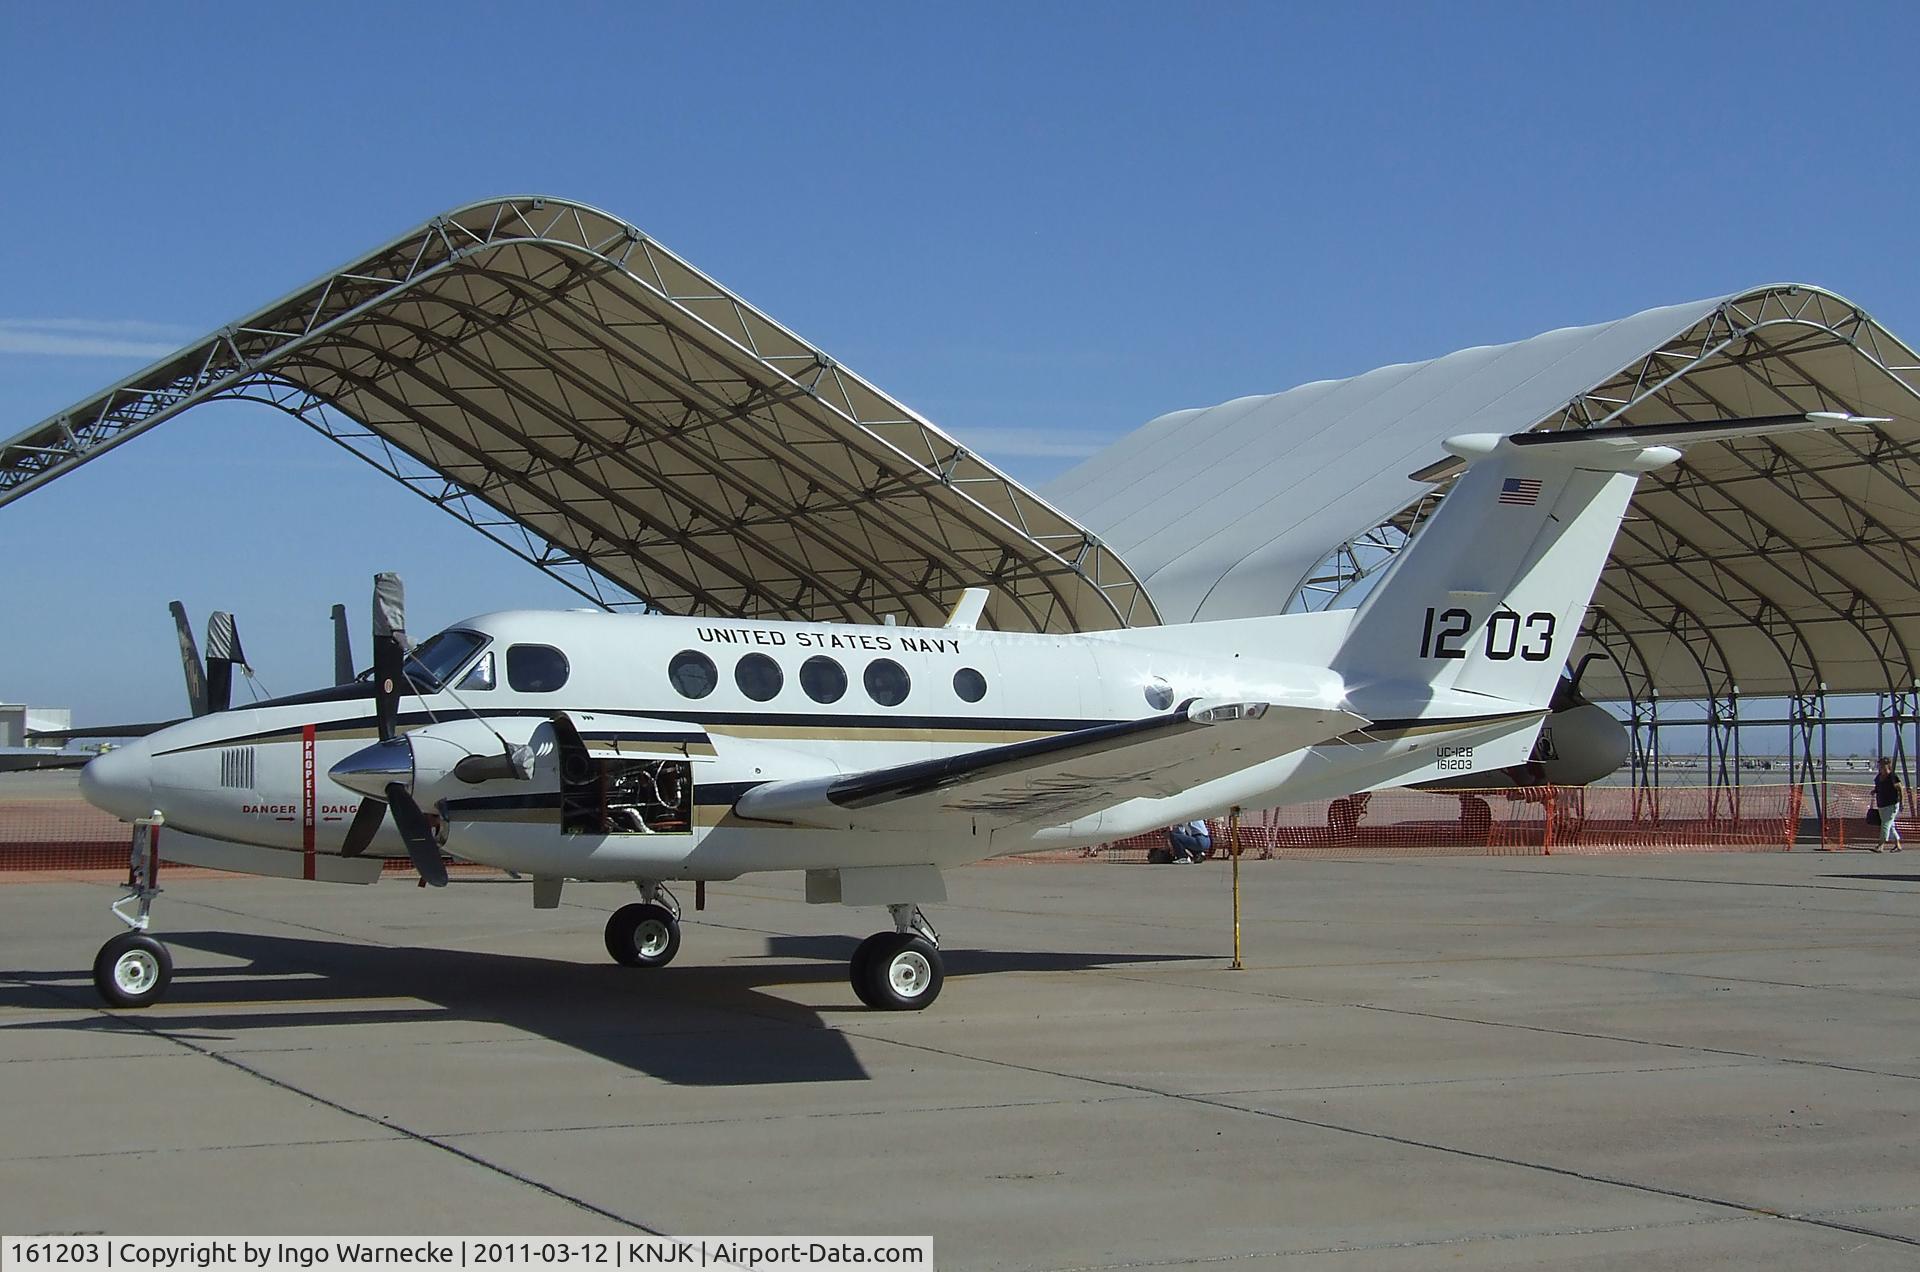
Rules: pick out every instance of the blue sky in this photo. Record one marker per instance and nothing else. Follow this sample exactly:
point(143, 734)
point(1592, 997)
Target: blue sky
point(1039, 225)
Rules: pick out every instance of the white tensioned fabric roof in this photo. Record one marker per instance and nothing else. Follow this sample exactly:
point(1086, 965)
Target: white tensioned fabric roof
point(1772, 566)
point(562, 383)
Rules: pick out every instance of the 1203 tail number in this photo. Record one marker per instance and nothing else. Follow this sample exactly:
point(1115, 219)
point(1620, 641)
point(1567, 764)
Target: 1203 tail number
point(1507, 635)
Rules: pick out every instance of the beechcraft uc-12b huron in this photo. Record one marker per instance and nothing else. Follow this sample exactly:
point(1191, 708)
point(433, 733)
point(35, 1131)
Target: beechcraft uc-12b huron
point(655, 749)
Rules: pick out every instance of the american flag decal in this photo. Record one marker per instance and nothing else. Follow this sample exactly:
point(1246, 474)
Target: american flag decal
point(1524, 491)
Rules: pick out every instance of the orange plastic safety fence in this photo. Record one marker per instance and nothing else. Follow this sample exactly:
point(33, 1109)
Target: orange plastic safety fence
point(1846, 823)
point(60, 834)
point(66, 834)
point(1529, 821)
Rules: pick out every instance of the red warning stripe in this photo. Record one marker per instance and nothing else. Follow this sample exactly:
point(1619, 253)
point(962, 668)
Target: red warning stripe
point(306, 802)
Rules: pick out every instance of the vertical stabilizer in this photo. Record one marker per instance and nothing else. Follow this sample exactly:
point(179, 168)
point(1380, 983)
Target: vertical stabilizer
point(1488, 597)
point(342, 648)
point(190, 660)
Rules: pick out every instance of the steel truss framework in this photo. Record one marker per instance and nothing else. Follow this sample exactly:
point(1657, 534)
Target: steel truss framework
point(1788, 567)
point(562, 383)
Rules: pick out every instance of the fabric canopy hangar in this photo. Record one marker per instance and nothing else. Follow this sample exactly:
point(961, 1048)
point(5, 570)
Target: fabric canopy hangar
point(565, 385)
point(1777, 566)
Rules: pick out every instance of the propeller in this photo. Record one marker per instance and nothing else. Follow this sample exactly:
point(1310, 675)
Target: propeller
point(223, 655)
point(387, 767)
point(209, 683)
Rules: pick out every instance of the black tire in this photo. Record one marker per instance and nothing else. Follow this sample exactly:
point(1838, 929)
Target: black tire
point(642, 935)
point(132, 970)
point(857, 965)
point(903, 973)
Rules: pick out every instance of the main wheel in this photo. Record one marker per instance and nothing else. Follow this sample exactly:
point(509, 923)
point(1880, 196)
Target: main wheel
point(857, 966)
point(132, 970)
point(642, 935)
point(903, 972)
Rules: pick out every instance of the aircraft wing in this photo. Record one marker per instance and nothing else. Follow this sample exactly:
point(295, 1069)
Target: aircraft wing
point(1051, 780)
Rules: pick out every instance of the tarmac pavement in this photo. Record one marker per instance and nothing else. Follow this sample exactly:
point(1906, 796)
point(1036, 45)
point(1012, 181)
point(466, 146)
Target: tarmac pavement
point(1586, 1063)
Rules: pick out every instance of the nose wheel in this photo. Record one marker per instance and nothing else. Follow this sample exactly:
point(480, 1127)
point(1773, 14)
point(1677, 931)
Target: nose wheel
point(133, 969)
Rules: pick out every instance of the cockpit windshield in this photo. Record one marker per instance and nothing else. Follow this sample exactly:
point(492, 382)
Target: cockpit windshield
point(435, 663)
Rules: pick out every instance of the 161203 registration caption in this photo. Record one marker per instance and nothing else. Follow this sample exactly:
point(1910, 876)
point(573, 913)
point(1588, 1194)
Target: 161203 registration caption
point(522, 1254)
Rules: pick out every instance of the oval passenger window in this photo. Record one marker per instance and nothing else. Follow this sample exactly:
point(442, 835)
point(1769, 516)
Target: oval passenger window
point(824, 679)
point(886, 682)
point(758, 676)
point(693, 673)
point(969, 684)
point(536, 668)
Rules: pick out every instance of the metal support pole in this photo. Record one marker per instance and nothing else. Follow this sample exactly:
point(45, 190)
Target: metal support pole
point(1233, 841)
point(1733, 703)
point(1914, 751)
point(1806, 719)
point(1900, 709)
point(1653, 732)
point(1824, 761)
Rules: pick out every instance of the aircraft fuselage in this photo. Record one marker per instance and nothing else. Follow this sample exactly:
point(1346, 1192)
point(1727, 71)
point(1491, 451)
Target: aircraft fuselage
point(780, 701)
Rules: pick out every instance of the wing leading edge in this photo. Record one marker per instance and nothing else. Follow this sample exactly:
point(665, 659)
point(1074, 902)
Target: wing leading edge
point(1056, 779)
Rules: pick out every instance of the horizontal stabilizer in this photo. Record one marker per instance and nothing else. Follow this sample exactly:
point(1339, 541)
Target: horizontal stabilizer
point(1051, 780)
point(1634, 438)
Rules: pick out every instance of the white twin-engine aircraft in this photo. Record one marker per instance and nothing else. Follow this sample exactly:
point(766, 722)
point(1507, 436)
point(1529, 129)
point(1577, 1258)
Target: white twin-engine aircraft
point(652, 749)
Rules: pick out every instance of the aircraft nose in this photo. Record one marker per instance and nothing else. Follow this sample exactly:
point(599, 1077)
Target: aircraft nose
point(120, 782)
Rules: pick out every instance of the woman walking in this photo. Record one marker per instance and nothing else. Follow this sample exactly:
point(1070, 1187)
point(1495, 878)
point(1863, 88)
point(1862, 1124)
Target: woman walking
point(1886, 798)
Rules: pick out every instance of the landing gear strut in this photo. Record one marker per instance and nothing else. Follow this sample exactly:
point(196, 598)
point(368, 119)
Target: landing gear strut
point(133, 969)
point(899, 970)
point(647, 932)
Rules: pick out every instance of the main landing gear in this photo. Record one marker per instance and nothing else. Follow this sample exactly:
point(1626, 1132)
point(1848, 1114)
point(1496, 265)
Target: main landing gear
point(133, 969)
point(899, 970)
point(647, 932)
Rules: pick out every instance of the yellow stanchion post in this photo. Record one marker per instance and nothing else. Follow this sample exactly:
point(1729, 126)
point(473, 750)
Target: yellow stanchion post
point(1233, 840)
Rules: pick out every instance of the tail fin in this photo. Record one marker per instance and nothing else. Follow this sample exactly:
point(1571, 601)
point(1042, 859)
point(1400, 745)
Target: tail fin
point(343, 673)
point(190, 660)
point(1488, 597)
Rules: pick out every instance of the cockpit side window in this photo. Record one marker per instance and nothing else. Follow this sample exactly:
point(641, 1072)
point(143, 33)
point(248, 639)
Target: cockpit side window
point(536, 668)
point(479, 676)
point(445, 653)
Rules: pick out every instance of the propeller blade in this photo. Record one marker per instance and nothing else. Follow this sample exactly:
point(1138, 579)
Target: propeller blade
point(342, 648)
point(190, 660)
point(364, 826)
point(413, 827)
point(389, 649)
point(223, 655)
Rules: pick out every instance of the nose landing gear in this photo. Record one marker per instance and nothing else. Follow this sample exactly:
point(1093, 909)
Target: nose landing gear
point(133, 969)
point(899, 970)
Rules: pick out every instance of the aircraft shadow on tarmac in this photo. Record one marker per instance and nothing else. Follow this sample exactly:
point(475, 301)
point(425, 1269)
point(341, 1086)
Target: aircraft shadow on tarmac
point(691, 1025)
point(1878, 878)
